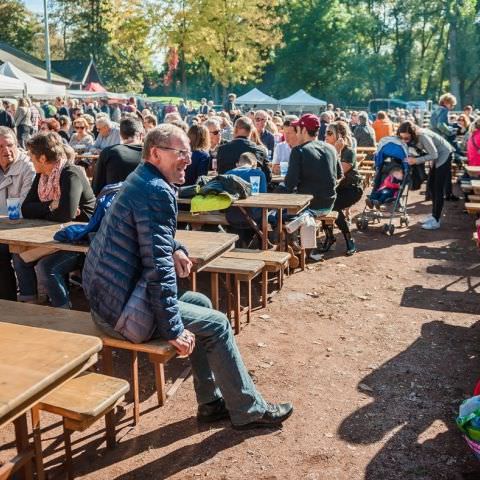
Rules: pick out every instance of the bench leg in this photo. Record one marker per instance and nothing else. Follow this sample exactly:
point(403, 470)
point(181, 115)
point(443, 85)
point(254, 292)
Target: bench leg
point(68, 451)
point(110, 428)
point(37, 443)
point(23, 446)
point(107, 361)
point(214, 290)
point(249, 299)
point(136, 393)
point(160, 381)
point(237, 304)
point(228, 284)
point(264, 288)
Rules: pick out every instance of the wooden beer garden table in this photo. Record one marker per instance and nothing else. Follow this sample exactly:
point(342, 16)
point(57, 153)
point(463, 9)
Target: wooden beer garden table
point(473, 171)
point(33, 363)
point(26, 234)
point(292, 202)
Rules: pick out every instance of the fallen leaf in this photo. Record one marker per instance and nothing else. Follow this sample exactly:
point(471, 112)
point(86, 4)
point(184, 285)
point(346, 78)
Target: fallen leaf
point(363, 386)
point(264, 317)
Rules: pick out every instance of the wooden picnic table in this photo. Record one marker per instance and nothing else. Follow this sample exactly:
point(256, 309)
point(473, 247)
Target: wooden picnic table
point(476, 186)
point(33, 363)
point(473, 171)
point(366, 150)
point(25, 234)
point(293, 203)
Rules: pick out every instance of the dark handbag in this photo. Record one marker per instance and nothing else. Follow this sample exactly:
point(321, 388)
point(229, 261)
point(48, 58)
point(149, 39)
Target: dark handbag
point(418, 176)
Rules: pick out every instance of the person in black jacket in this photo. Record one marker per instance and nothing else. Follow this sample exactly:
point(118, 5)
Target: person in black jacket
point(60, 193)
point(228, 154)
point(6, 118)
point(116, 163)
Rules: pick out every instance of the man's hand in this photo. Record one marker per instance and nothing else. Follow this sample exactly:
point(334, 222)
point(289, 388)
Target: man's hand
point(184, 344)
point(183, 264)
point(411, 161)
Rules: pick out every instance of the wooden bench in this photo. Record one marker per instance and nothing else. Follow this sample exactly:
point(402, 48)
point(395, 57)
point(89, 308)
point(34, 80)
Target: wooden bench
point(159, 351)
point(275, 262)
point(240, 270)
point(472, 208)
point(367, 175)
point(81, 402)
point(202, 218)
point(474, 198)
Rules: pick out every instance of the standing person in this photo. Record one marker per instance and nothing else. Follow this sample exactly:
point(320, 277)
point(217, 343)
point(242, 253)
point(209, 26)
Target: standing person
point(230, 106)
point(203, 109)
point(283, 149)
point(23, 122)
point(64, 122)
point(36, 117)
point(118, 161)
point(439, 153)
point(473, 145)
point(215, 135)
point(364, 133)
point(325, 119)
point(314, 167)
point(200, 146)
point(6, 118)
point(60, 193)
point(267, 138)
point(182, 110)
point(60, 106)
point(349, 190)
point(440, 124)
point(383, 126)
point(136, 241)
point(16, 177)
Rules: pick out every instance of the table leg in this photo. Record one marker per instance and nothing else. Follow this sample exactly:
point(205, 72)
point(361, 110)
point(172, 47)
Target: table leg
point(214, 288)
point(281, 247)
point(264, 228)
point(23, 446)
point(37, 440)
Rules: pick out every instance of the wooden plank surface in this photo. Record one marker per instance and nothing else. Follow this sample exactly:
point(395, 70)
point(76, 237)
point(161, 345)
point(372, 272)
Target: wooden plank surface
point(291, 201)
point(235, 266)
point(473, 171)
point(35, 361)
point(472, 207)
point(202, 246)
point(476, 186)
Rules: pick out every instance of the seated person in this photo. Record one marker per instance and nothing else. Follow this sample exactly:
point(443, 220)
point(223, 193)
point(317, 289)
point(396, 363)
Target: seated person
point(108, 135)
point(16, 177)
point(246, 169)
point(60, 193)
point(136, 242)
point(283, 149)
point(81, 139)
point(388, 190)
point(200, 145)
point(117, 162)
point(229, 153)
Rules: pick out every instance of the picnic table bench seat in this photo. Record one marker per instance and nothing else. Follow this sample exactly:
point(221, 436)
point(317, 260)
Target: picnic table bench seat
point(474, 198)
point(81, 402)
point(202, 218)
point(159, 351)
point(472, 208)
point(241, 270)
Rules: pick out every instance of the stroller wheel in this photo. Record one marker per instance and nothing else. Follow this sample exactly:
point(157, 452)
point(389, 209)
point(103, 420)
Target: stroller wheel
point(404, 221)
point(386, 228)
point(391, 230)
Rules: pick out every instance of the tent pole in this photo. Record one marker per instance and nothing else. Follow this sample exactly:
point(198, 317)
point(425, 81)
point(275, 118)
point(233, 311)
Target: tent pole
point(47, 43)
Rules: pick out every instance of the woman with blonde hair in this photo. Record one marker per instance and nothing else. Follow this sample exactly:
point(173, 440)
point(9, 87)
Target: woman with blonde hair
point(200, 144)
point(255, 138)
point(81, 137)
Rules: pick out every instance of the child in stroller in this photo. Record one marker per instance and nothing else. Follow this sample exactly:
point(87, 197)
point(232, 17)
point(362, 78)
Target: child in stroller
point(388, 190)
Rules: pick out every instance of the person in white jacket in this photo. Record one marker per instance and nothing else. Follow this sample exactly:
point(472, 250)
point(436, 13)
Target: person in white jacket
point(16, 177)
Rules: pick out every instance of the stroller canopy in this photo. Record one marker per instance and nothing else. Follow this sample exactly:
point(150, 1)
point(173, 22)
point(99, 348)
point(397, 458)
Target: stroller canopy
point(391, 147)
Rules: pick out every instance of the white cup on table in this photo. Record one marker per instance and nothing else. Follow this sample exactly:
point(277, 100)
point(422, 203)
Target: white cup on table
point(283, 168)
point(255, 182)
point(13, 209)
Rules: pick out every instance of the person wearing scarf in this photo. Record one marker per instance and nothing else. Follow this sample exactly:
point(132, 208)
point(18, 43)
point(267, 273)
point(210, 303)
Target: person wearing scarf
point(60, 193)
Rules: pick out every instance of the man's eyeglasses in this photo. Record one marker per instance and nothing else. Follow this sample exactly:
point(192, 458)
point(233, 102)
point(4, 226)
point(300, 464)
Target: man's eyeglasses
point(181, 153)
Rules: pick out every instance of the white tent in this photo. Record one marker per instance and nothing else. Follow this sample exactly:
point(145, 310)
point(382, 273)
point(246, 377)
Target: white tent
point(256, 97)
point(87, 94)
point(10, 87)
point(301, 101)
point(34, 87)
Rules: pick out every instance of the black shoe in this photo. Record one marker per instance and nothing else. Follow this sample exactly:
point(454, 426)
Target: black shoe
point(369, 203)
point(327, 244)
point(351, 247)
point(452, 198)
point(275, 414)
point(213, 411)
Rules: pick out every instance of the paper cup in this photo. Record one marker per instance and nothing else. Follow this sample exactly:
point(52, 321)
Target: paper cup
point(283, 168)
point(255, 182)
point(13, 208)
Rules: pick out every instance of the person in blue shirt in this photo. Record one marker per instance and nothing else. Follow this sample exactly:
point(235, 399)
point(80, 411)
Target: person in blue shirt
point(247, 167)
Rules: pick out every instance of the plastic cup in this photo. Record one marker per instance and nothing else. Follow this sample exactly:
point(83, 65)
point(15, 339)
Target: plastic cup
point(255, 182)
point(283, 168)
point(13, 208)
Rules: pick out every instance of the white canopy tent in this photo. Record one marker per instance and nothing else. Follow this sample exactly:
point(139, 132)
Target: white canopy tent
point(87, 94)
point(256, 97)
point(34, 87)
point(10, 87)
point(302, 101)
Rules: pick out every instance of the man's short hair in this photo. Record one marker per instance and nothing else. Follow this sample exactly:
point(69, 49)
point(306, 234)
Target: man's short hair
point(289, 119)
point(163, 135)
point(244, 123)
point(180, 124)
point(152, 119)
point(263, 113)
point(130, 127)
point(103, 121)
point(8, 132)
point(247, 158)
point(212, 122)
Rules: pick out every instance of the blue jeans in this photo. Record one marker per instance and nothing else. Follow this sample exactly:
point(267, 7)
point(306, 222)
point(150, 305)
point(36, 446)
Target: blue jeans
point(51, 272)
point(382, 195)
point(217, 366)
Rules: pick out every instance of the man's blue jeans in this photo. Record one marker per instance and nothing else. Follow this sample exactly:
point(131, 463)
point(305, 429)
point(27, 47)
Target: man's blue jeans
point(51, 272)
point(217, 366)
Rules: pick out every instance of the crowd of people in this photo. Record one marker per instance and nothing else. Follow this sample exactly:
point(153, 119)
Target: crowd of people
point(135, 249)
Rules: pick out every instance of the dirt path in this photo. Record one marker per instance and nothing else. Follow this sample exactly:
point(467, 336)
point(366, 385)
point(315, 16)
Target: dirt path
point(376, 361)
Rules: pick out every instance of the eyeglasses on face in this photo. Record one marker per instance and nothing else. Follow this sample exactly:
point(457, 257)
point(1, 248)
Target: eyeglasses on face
point(79, 127)
point(181, 153)
point(215, 132)
point(329, 132)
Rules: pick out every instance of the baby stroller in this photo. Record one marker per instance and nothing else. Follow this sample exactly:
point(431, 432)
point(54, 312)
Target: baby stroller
point(391, 153)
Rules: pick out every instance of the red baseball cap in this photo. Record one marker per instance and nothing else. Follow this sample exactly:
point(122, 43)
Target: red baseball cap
point(309, 121)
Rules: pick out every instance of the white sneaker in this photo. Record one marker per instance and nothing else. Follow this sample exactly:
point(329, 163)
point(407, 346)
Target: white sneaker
point(431, 225)
point(427, 219)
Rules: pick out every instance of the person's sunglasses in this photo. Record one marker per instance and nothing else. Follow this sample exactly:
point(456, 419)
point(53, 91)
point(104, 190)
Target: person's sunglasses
point(181, 153)
point(329, 132)
point(215, 132)
point(79, 127)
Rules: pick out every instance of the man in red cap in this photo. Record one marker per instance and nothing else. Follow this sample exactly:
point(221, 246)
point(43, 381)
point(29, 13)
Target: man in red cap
point(314, 166)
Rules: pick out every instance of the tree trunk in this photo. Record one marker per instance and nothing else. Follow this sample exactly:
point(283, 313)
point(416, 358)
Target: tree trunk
point(452, 57)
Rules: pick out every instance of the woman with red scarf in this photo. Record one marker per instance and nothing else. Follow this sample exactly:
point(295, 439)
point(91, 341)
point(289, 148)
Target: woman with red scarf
point(60, 193)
